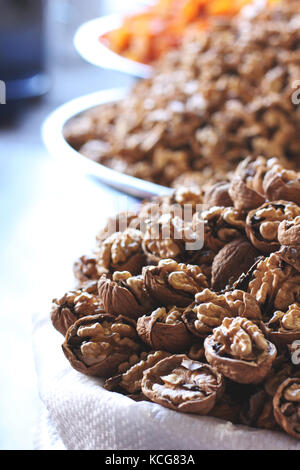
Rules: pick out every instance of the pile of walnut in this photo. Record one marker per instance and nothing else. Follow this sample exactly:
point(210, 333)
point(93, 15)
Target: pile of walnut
point(227, 93)
point(214, 331)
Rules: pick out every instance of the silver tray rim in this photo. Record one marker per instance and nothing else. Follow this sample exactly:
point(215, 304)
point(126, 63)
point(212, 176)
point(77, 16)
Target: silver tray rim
point(87, 44)
point(58, 147)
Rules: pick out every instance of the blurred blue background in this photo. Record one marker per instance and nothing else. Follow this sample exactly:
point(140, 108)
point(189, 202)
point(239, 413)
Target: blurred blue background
point(48, 216)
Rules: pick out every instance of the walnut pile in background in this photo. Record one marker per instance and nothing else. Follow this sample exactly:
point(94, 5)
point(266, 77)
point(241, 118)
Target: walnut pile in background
point(214, 330)
point(223, 95)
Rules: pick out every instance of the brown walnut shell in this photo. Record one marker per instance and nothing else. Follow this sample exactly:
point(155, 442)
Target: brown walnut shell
point(272, 282)
point(221, 226)
point(243, 367)
point(218, 195)
point(102, 345)
point(183, 385)
point(262, 224)
point(291, 256)
point(244, 198)
point(289, 232)
point(231, 262)
point(124, 294)
point(129, 383)
point(85, 269)
point(284, 327)
point(164, 329)
point(75, 304)
point(121, 251)
point(286, 404)
point(258, 411)
point(282, 185)
point(210, 309)
point(171, 283)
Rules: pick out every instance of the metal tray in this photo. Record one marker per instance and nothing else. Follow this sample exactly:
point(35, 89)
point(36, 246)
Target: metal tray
point(86, 41)
point(58, 147)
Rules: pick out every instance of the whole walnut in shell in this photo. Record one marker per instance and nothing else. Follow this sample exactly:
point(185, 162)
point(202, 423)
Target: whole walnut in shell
point(231, 262)
point(75, 304)
point(164, 329)
point(124, 294)
point(184, 385)
point(121, 251)
point(239, 350)
point(102, 345)
point(263, 224)
point(172, 283)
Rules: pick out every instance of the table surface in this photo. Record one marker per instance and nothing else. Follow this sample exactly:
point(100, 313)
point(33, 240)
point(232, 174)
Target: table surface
point(48, 217)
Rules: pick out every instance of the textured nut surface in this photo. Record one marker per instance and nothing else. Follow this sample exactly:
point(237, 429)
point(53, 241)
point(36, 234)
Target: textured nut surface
point(124, 294)
point(211, 308)
point(273, 283)
point(289, 232)
point(239, 350)
point(263, 224)
point(181, 384)
point(102, 345)
point(280, 183)
point(130, 381)
point(173, 283)
point(284, 327)
point(122, 251)
point(222, 225)
point(164, 329)
point(231, 262)
point(84, 268)
point(75, 304)
point(287, 406)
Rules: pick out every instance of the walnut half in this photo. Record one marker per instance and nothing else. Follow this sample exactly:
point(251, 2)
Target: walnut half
point(184, 385)
point(239, 350)
point(172, 283)
point(102, 345)
point(286, 404)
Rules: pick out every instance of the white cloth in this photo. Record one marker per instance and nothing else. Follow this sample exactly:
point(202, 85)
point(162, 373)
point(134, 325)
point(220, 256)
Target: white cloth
point(85, 416)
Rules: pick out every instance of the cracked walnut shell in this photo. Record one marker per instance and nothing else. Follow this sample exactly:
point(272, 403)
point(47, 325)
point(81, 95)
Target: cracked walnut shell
point(280, 183)
point(164, 329)
point(209, 310)
point(124, 294)
point(182, 384)
point(172, 283)
point(286, 404)
point(273, 283)
point(102, 345)
point(121, 251)
point(221, 226)
point(262, 224)
point(239, 350)
point(75, 304)
point(284, 327)
point(85, 269)
point(129, 383)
